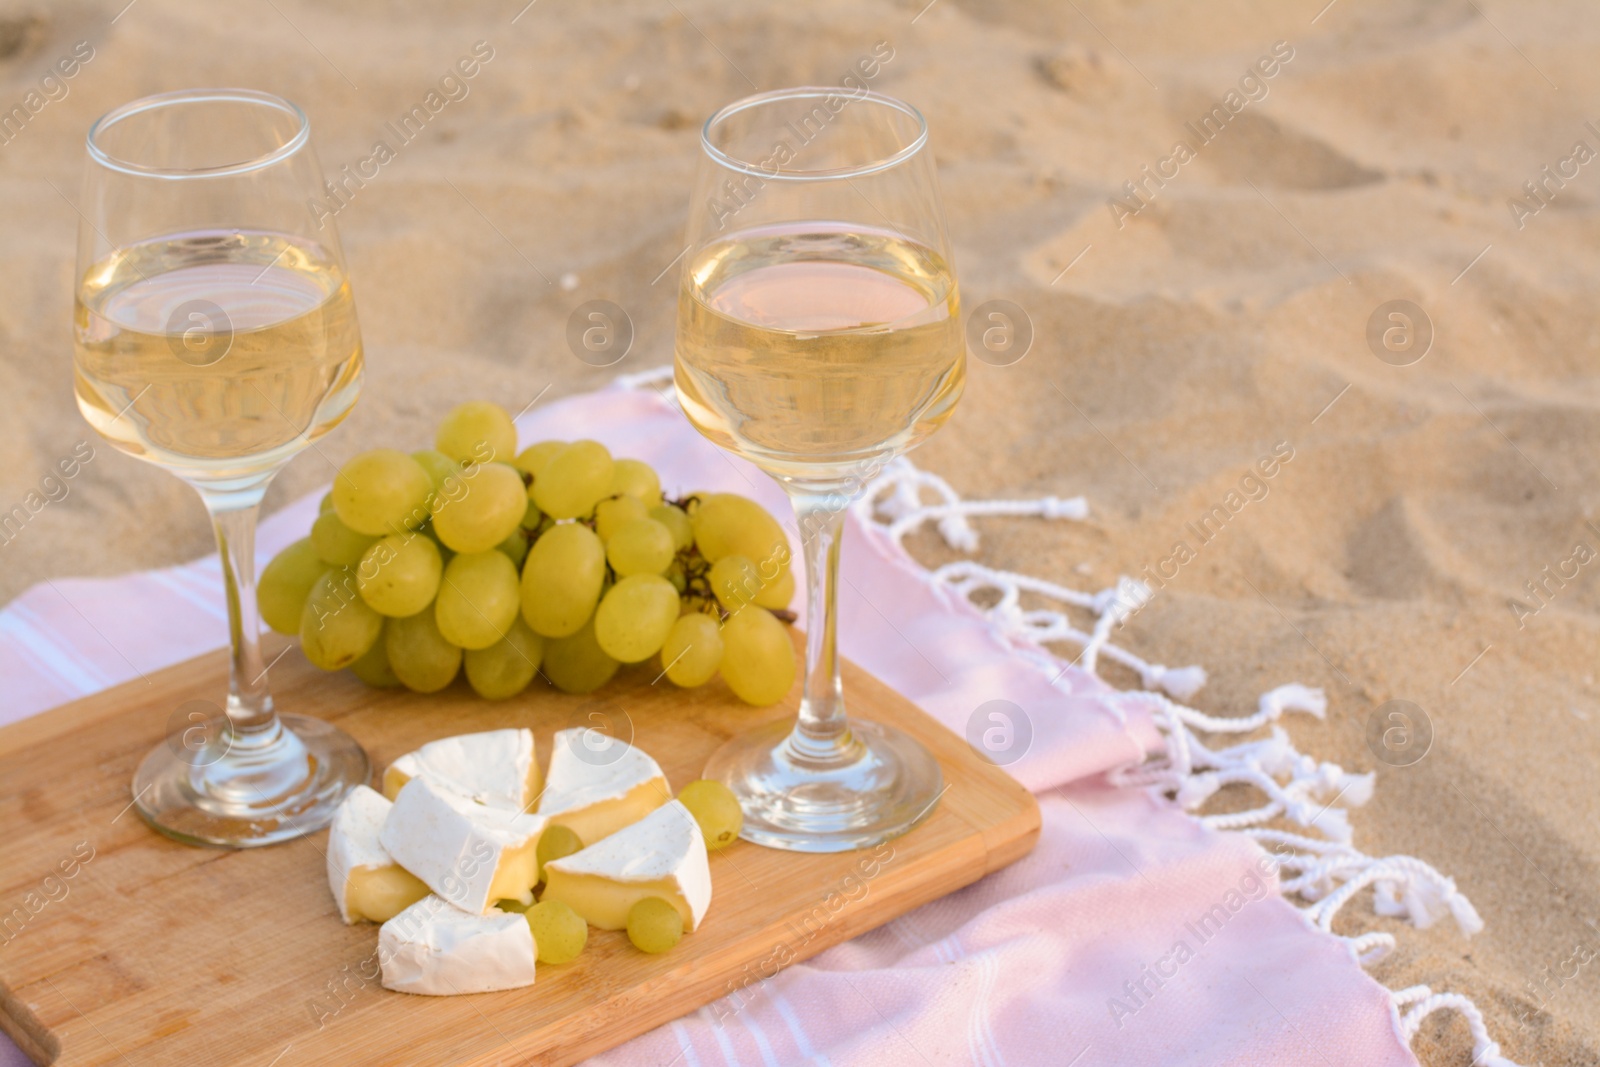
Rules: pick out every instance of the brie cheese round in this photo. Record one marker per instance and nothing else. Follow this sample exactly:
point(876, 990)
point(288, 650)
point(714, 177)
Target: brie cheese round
point(366, 881)
point(436, 949)
point(662, 855)
point(494, 767)
point(597, 784)
point(469, 853)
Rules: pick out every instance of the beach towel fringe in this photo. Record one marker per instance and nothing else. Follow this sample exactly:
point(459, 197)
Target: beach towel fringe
point(1325, 871)
point(1418, 1002)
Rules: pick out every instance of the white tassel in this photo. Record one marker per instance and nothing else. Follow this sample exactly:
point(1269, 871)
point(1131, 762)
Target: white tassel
point(1423, 1002)
point(1294, 697)
point(958, 533)
point(1179, 682)
point(1196, 789)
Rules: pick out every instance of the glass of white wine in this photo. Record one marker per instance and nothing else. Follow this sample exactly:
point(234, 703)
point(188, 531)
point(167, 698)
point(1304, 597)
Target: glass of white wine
point(215, 336)
point(819, 337)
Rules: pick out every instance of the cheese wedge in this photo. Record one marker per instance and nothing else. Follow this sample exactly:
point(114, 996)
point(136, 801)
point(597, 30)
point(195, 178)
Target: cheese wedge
point(662, 855)
point(496, 767)
point(597, 784)
point(469, 853)
point(367, 883)
point(436, 949)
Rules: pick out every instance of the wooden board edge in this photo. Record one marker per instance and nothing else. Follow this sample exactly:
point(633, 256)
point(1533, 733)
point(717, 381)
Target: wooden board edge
point(22, 1026)
point(1010, 841)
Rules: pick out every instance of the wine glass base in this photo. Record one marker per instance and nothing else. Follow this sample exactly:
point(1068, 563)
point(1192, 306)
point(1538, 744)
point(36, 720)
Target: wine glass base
point(211, 795)
point(885, 784)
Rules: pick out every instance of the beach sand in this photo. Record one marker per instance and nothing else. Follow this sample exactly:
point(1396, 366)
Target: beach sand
point(1178, 340)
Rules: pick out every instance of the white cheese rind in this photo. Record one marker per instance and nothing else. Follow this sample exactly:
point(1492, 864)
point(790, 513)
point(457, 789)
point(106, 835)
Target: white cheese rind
point(590, 770)
point(435, 949)
point(496, 767)
point(452, 843)
point(353, 841)
point(664, 846)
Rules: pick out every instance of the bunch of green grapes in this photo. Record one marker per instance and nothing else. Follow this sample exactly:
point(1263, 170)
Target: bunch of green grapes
point(560, 560)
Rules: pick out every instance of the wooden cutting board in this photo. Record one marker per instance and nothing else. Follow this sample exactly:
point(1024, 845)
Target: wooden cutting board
point(153, 952)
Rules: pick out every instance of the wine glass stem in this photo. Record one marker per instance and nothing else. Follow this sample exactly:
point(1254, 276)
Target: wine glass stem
point(822, 734)
point(251, 719)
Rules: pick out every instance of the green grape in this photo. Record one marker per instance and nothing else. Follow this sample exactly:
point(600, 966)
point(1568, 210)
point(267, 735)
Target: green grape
point(373, 667)
point(382, 491)
point(418, 653)
point(654, 925)
point(505, 668)
point(515, 547)
point(513, 905)
point(286, 582)
point(637, 479)
point(574, 480)
point(478, 599)
point(677, 523)
point(734, 582)
point(692, 651)
point(488, 512)
point(642, 546)
point(577, 664)
point(616, 511)
point(561, 579)
point(559, 933)
point(477, 432)
point(556, 841)
point(726, 524)
point(716, 809)
point(634, 616)
point(678, 577)
point(778, 593)
point(336, 625)
point(399, 575)
point(757, 657)
point(326, 503)
point(439, 466)
point(336, 543)
point(531, 460)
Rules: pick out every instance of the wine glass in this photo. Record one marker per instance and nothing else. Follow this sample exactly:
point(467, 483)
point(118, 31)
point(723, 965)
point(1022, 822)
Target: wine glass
point(819, 337)
point(215, 336)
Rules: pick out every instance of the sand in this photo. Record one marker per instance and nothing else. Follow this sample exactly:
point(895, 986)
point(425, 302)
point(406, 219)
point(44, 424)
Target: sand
point(1177, 340)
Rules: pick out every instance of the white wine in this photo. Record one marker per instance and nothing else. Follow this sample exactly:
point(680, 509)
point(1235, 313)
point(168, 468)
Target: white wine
point(217, 354)
point(819, 350)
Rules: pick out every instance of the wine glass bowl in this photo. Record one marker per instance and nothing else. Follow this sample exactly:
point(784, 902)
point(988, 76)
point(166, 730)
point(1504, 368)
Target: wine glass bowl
point(819, 337)
point(215, 336)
